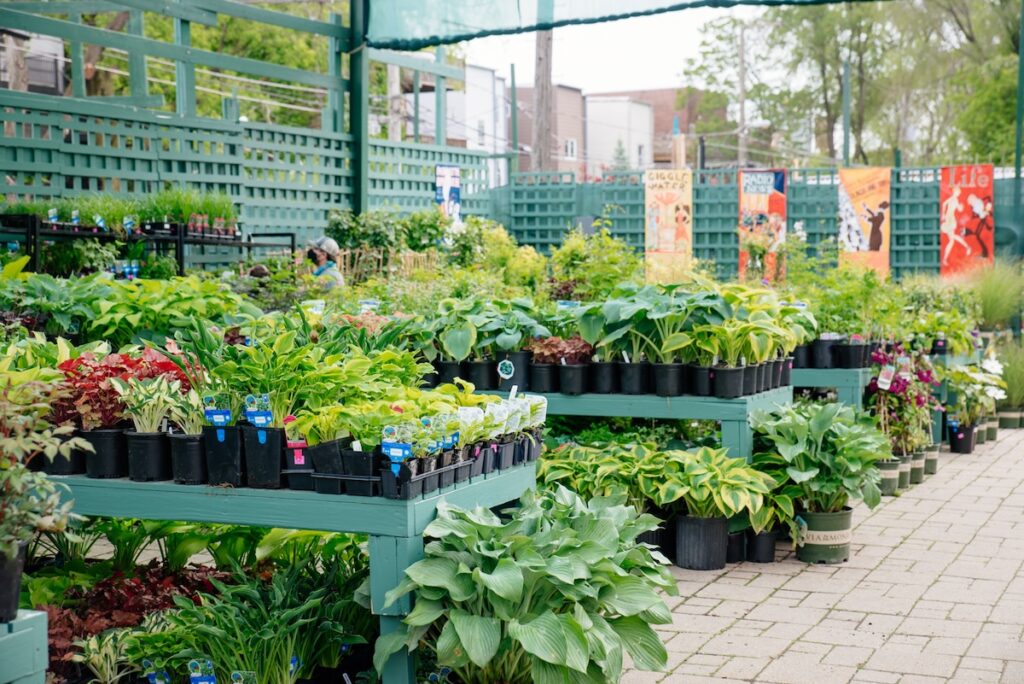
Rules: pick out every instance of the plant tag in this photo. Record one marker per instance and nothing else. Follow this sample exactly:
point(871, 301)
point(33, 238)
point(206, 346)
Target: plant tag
point(218, 417)
point(76, 218)
point(397, 453)
point(259, 418)
point(98, 220)
point(51, 214)
point(625, 356)
point(512, 392)
point(357, 445)
point(366, 305)
point(248, 677)
point(129, 223)
point(201, 673)
point(506, 369)
point(565, 305)
point(293, 665)
point(885, 378)
point(563, 361)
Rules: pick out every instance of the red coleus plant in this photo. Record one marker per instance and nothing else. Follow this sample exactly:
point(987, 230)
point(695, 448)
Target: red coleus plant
point(574, 350)
point(91, 402)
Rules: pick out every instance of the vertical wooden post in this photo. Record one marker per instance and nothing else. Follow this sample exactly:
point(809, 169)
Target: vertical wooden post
point(416, 106)
point(185, 88)
point(137, 59)
point(77, 61)
point(514, 159)
point(358, 102)
point(440, 114)
point(334, 116)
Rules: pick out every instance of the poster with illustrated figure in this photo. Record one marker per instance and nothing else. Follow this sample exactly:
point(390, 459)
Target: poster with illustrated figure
point(864, 212)
point(762, 223)
point(668, 223)
point(447, 191)
point(966, 222)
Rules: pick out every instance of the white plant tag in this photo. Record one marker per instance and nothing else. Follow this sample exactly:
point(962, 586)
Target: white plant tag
point(885, 378)
point(625, 356)
point(512, 392)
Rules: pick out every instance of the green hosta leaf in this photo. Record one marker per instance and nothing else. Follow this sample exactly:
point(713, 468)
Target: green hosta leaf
point(387, 645)
point(480, 636)
point(424, 612)
point(542, 637)
point(799, 476)
point(632, 595)
point(506, 581)
point(458, 340)
point(642, 642)
point(577, 652)
point(442, 573)
point(450, 650)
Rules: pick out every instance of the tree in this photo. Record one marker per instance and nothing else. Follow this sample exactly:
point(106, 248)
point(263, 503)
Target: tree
point(620, 161)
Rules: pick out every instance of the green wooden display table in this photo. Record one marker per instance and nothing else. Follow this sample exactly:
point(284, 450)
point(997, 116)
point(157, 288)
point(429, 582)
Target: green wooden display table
point(734, 414)
point(23, 649)
point(395, 527)
point(849, 383)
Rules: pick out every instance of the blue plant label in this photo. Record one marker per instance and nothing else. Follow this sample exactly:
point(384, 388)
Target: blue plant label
point(564, 305)
point(245, 676)
point(259, 418)
point(99, 221)
point(51, 214)
point(218, 417)
point(397, 453)
point(129, 223)
point(201, 673)
point(506, 369)
point(76, 218)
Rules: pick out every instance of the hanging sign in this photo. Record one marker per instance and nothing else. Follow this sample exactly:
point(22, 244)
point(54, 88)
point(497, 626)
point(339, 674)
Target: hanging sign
point(668, 236)
point(762, 222)
point(864, 211)
point(966, 221)
point(448, 192)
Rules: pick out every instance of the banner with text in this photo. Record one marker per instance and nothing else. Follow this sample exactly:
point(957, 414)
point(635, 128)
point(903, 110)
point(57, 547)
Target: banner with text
point(864, 213)
point(762, 223)
point(668, 236)
point(966, 223)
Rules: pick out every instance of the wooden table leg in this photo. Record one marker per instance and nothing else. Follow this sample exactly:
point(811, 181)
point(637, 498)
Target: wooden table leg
point(389, 557)
point(738, 438)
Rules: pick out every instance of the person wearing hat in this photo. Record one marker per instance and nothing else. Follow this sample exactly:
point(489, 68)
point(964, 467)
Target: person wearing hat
point(323, 252)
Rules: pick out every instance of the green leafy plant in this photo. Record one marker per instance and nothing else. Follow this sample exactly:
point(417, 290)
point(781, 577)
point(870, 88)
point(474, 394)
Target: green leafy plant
point(147, 402)
point(104, 655)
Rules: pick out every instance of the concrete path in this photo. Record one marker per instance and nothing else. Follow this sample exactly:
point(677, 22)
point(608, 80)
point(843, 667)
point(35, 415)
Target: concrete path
point(934, 592)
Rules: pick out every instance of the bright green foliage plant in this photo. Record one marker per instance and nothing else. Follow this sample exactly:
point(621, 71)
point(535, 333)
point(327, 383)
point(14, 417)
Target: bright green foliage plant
point(147, 402)
point(595, 265)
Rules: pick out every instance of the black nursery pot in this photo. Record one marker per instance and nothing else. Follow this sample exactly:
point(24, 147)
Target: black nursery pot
point(429, 380)
point(360, 464)
point(822, 353)
point(572, 379)
point(802, 356)
point(11, 568)
point(543, 377)
point(729, 382)
point(447, 371)
point(188, 463)
point(110, 459)
point(669, 379)
point(761, 546)
point(72, 464)
point(264, 456)
point(520, 373)
point(224, 464)
point(736, 550)
point(777, 368)
point(939, 348)
point(298, 466)
point(483, 374)
point(848, 355)
point(749, 380)
point(763, 377)
point(149, 456)
point(604, 377)
point(701, 381)
point(504, 455)
point(786, 379)
point(326, 457)
point(961, 439)
point(633, 377)
point(701, 543)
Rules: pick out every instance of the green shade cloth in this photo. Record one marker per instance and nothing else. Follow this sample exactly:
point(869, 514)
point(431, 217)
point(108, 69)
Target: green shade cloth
point(414, 24)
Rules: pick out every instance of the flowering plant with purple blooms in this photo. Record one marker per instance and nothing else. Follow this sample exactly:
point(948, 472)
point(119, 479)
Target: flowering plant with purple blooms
point(904, 409)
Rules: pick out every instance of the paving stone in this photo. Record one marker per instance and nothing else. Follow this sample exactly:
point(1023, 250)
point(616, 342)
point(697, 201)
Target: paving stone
point(753, 646)
point(964, 675)
point(876, 676)
point(909, 659)
point(939, 627)
point(804, 668)
point(741, 667)
point(847, 655)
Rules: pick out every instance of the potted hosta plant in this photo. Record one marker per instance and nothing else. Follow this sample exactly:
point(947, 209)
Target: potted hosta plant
point(713, 488)
point(778, 512)
point(518, 326)
point(829, 452)
point(456, 336)
point(627, 337)
point(604, 371)
point(188, 459)
point(148, 403)
point(973, 394)
point(546, 355)
point(1011, 354)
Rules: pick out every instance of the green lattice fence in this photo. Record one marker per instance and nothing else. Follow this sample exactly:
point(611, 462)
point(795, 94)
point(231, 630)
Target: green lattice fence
point(402, 175)
point(1009, 239)
point(715, 219)
point(542, 208)
point(914, 245)
point(620, 197)
point(812, 203)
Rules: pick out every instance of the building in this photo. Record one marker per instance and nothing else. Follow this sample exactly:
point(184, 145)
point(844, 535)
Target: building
point(620, 134)
point(43, 60)
point(568, 129)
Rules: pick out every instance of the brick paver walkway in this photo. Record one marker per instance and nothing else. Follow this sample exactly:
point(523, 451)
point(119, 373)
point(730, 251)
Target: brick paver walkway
point(933, 592)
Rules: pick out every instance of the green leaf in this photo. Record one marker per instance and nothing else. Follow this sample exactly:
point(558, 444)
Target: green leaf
point(506, 581)
point(424, 612)
point(542, 637)
point(642, 642)
point(458, 340)
point(577, 652)
point(387, 645)
point(632, 595)
point(480, 636)
point(449, 649)
point(799, 476)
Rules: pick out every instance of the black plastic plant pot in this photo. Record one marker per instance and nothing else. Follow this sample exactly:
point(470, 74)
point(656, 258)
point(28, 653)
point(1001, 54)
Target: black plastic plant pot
point(483, 374)
point(485, 454)
point(264, 456)
point(701, 381)
point(188, 462)
point(505, 455)
point(939, 348)
point(761, 546)
point(778, 368)
point(763, 373)
point(961, 439)
point(736, 550)
point(604, 378)
point(822, 353)
point(72, 464)
point(520, 371)
point(522, 449)
point(633, 377)
point(572, 379)
point(430, 380)
point(464, 466)
point(826, 537)
point(786, 378)
point(536, 446)
point(655, 538)
point(749, 380)
point(848, 355)
point(701, 543)
point(428, 469)
point(224, 464)
point(447, 371)
point(11, 568)
point(802, 356)
point(110, 459)
point(728, 382)
point(326, 457)
point(300, 479)
point(361, 464)
point(669, 379)
point(406, 484)
point(149, 456)
point(543, 377)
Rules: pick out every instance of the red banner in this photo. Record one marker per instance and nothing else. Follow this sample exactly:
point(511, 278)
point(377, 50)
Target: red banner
point(762, 223)
point(966, 221)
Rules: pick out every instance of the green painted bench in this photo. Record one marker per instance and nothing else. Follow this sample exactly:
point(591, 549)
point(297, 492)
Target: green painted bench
point(23, 649)
point(849, 383)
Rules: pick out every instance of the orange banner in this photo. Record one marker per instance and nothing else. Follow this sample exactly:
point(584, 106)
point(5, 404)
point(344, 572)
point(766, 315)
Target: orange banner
point(966, 222)
point(864, 230)
point(668, 237)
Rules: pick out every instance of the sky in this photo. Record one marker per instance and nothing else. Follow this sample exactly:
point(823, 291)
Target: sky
point(630, 54)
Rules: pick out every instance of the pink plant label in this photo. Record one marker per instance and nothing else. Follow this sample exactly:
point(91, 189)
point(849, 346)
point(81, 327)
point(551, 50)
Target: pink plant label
point(300, 458)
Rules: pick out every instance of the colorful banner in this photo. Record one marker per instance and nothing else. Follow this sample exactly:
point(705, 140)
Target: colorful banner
point(762, 223)
point(668, 237)
point(966, 224)
point(447, 191)
point(864, 218)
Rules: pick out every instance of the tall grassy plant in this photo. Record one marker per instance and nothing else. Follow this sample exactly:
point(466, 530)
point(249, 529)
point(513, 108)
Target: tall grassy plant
point(1011, 354)
point(999, 290)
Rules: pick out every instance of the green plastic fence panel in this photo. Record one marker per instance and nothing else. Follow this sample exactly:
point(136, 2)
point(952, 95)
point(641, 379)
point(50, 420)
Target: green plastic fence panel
point(544, 206)
point(402, 176)
point(812, 203)
point(716, 219)
point(914, 243)
point(1008, 227)
point(619, 196)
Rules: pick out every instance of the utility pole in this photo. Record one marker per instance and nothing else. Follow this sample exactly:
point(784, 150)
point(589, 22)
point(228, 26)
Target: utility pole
point(540, 154)
point(396, 103)
point(742, 144)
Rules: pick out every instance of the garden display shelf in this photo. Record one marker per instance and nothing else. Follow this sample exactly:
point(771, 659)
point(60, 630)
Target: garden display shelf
point(395, 527)
point(737, 435)
point(23, 649)
point(849, 383)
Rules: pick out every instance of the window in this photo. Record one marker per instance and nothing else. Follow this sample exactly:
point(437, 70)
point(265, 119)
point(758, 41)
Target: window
point(481, 134)
point(570, 148)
